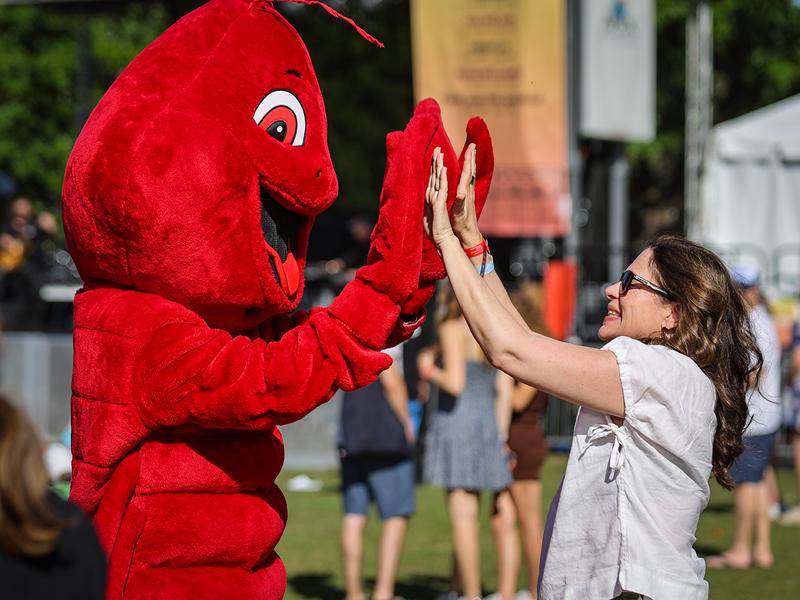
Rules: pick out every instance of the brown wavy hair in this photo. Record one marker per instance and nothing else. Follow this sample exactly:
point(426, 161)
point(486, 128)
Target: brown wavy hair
point(447, 306)
point(448, 309)
point(714, 331)
point(527, 299)
point(28, 526)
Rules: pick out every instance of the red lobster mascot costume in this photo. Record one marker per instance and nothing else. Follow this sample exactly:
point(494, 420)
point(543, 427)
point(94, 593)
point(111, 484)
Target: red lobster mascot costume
point(188, 203)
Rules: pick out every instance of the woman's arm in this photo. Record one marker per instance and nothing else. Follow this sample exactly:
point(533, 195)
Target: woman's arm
point(522, 396)
point(394, 389)
point(794, 363)
point(504, 390)
point(583, 376)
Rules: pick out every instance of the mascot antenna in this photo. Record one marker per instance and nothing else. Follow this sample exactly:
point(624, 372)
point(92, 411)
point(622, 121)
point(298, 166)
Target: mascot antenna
point(336, 14)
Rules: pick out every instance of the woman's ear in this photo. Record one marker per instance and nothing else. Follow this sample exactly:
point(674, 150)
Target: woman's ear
point(672, 318)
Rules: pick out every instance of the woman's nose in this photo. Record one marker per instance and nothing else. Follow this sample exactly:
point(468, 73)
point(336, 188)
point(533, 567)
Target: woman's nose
point(612, 290)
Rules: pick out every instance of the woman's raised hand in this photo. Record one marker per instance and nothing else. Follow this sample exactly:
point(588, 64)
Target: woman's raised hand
point(464, 221)
point(465, 218)
point(436, 220)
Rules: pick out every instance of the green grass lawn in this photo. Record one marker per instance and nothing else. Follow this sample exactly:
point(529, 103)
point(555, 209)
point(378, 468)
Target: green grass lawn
point(311, 553)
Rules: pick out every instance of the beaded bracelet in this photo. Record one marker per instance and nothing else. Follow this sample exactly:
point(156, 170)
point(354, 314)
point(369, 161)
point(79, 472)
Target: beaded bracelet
point(477, 249)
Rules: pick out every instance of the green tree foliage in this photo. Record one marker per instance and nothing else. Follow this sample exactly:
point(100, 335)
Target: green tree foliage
point(36, 97)
point(756, 54)
point(368, 91)
point(45, 52)
point(43, 60)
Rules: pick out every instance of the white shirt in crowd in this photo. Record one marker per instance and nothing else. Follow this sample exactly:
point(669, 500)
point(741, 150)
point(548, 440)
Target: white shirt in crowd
point(764, 400)
point(626, 513)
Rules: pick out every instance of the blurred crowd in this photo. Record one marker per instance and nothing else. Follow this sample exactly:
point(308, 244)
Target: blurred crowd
point(30, 258)
point(757, 496)
point(23, 244)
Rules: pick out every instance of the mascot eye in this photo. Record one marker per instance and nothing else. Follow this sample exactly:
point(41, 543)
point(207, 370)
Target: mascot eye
point(281, 115)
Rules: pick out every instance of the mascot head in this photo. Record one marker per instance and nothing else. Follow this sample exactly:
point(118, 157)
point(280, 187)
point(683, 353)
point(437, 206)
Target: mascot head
point(200, 172)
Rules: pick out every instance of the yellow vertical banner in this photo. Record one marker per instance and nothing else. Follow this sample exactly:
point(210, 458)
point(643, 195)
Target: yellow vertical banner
point(504, 60)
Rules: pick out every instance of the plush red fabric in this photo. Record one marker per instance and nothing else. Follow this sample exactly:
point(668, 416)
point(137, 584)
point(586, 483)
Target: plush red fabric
point(187, 209)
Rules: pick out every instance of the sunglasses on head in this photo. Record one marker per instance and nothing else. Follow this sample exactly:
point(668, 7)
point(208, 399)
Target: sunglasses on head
point(628, 277)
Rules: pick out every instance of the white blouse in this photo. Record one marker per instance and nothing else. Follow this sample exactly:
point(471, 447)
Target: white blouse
point(626, 513)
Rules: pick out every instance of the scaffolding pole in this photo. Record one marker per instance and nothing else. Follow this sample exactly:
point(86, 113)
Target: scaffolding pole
point(699, 82)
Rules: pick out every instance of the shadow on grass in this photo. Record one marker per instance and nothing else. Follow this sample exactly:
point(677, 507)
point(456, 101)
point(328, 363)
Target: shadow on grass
point(315, 585)
point(704, 550)
point(318, 586)
point(720, 508)
point(420, 587)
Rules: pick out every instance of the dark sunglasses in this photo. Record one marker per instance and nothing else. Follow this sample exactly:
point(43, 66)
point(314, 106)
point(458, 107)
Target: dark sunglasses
point(628, 278)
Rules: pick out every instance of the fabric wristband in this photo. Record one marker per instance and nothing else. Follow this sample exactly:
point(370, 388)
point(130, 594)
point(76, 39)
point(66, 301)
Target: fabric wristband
point(485, 268)
point(477, 249)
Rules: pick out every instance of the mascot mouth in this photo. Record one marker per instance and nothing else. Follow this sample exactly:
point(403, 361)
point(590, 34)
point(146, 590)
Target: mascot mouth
point(280, 227)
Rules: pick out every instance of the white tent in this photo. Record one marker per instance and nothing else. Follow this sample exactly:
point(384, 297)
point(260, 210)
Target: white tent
point(750, 202)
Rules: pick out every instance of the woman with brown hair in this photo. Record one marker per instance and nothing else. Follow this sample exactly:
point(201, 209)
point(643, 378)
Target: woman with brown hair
point(48, 548)
point(662, 403)
point(528, 446)
point(465, 453)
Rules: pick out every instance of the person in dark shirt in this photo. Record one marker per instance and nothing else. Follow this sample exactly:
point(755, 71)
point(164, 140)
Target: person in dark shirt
point(26, 240)
point(48, 547)
point(376, 446)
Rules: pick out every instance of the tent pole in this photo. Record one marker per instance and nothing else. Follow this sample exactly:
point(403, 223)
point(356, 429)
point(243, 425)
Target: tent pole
point(572, 249)
point(617, 211)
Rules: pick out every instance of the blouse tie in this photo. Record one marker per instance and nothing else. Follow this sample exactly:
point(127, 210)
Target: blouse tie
point(600, 431)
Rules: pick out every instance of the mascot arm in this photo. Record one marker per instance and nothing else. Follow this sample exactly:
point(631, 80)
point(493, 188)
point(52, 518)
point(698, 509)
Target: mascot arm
point(385, 302)
point(194, 374)
point(432, 268)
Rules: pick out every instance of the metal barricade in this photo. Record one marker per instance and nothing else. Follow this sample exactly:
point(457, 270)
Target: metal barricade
point(36, 373)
